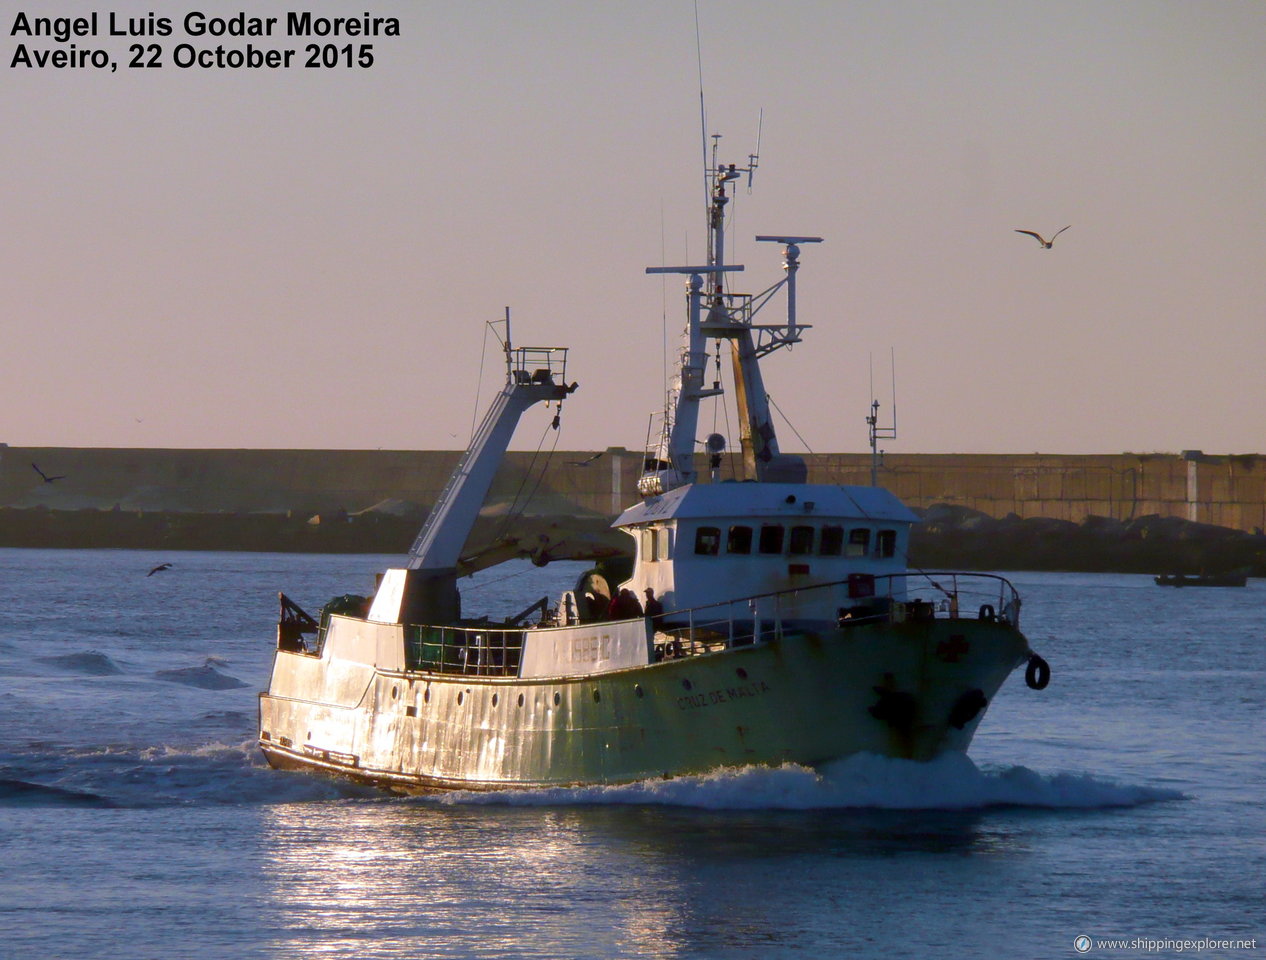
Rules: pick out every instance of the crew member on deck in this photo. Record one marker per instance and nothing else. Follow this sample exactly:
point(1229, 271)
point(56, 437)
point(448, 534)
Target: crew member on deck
point(624, 606)
point(654, 609)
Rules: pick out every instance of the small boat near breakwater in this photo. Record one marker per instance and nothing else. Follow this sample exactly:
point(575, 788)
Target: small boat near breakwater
point(764, 620)
point(1235, 578)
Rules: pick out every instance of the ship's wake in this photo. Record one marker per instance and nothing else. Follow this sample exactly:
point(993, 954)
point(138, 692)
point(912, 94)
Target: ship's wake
point(157, 776)
point(950, 782)
point(234, 772)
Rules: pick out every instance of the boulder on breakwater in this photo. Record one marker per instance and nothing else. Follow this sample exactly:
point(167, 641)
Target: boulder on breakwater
point(950, 537)
point(953, 536)
point(302, 531)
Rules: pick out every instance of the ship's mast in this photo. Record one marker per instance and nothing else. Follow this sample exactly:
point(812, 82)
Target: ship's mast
point(712, 313)
point(672, 463)
point(877, 432)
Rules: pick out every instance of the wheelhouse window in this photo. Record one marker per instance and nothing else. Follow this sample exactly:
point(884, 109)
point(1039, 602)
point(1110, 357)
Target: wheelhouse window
point(801, 541)
point(739, 540)
point(771, 538)
point(707, 541)
point(858, 542)
point(832, 542)
point(663, 543)
point(886, 543)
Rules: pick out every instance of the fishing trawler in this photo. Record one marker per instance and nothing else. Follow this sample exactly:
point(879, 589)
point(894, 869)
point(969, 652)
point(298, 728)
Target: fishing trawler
point(765, 621)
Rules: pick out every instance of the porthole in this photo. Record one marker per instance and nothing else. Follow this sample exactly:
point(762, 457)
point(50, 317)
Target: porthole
point(520, 699)
point(687, 684)
point(495, 698)
point(742, 674)
point(637, 688)
point(461, 695)
point(557, 698)
point(394, 693)
point(426, 694)
point(597, 696)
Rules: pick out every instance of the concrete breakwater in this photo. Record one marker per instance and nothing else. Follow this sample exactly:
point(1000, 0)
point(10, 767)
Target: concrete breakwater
point(1227, 491)
point(1145, 512)
point(950, 538)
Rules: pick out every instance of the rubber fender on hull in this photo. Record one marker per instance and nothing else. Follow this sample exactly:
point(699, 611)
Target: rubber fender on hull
point(1038, 673)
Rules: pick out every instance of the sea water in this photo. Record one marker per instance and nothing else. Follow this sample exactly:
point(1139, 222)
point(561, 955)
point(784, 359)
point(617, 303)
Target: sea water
point(138, 820)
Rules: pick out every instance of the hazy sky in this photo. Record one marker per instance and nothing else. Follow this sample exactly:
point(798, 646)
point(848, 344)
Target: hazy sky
point(307, 258)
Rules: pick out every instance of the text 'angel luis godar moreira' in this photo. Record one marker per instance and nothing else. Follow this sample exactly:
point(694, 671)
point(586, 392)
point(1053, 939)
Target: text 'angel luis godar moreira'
point(198, 24)
point(332, 44)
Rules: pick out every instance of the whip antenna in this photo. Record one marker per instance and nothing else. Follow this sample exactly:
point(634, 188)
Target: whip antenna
point(754, 158)
point(703, 120)
point(877, 432)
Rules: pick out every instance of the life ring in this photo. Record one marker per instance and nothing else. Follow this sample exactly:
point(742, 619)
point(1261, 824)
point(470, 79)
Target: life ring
point(1038, 673)
point(987, 612)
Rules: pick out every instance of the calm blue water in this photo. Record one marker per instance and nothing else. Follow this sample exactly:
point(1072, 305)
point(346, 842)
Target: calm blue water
point(138, 821)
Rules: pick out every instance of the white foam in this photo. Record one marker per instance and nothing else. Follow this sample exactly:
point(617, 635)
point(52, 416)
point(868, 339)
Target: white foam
point(866, 781)
point(245, 749)
point(210, 773)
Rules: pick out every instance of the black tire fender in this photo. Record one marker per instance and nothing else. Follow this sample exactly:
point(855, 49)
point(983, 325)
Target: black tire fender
point(1038, 673)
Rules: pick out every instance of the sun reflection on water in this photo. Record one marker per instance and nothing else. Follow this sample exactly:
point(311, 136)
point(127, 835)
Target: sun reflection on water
point(398, 878)
point(421, 878)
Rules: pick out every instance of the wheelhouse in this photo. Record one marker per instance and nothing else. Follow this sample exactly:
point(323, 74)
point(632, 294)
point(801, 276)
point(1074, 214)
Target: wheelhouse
point(710, 543)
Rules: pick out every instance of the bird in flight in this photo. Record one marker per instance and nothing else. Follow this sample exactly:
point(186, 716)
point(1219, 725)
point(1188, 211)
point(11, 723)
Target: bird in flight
point(45, 476)
point(1045, 243)
point(159, 569)
point(586, 461)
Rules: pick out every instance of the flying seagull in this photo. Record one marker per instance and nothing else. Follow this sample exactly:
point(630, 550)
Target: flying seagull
point(159, 569)
point(587, 460)
point(1045, 243)
point(47, 478)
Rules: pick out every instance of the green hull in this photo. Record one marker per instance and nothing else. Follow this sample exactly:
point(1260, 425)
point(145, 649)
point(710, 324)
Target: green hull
point(913, 690)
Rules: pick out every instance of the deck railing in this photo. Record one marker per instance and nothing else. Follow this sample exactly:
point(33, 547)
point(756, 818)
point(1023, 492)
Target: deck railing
point(490, 651)
point(472, 651)
point(857, 600)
